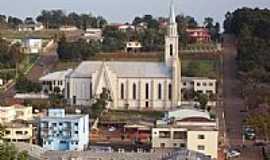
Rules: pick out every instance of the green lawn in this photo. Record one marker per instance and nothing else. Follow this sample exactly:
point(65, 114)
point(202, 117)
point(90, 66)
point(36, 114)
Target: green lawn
point(200, 68)
point(48, 34)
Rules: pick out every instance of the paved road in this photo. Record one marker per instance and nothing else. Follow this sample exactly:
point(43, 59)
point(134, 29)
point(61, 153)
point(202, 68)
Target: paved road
point(43, 65)
point(233, 104)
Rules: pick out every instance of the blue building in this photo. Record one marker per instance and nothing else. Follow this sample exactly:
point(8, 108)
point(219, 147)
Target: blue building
point(62, 132)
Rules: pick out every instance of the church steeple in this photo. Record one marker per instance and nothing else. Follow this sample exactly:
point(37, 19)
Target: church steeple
point(171, 57)
point(171, 39)
point(172, 14)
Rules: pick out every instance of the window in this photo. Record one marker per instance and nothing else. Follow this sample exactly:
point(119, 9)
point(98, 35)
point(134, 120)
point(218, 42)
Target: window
point(76, 132)
point(7, 132)
point(198, 84)
point(146, 91)
point(53, 82)
point(170, 92)
point(68, 90)
point(76, 124)
point(175, 144)
point(204, 84)
point(179, 135)
point(164, 134)
point(162, 145)
point(19, 132)
point(171, 49)
point(159, 91)
point(211, 84)
point(74, 100)
point(122, 91)
point(134, 91)
point(200, 147)
point(182, 145)
point(184, 83)
point(201, 136)
point(91, 91)
point(60, 124)
point(146, 104)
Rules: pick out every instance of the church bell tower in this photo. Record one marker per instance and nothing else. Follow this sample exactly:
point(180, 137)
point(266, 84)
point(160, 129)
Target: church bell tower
point(171, 57)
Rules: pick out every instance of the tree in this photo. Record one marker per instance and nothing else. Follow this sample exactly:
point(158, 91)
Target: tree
point(80, 50)
point(208, 22)
point(14, 22)
point(29, 20)
point(23, 156)
point(202, 99)
point(9, 152)
point(101, 102)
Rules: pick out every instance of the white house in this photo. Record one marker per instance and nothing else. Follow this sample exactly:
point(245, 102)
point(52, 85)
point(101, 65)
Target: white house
point(1, 82)
point(53, 80)
point(133, 46)
point(200, 84)
point(30, 27)
point(32, 45)
point(190, 129)
point(10, 113)
point(68, 28)
point(93, 34)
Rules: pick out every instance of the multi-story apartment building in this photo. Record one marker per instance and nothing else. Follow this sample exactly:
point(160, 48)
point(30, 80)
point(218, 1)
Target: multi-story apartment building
point(199, 84)
point(10, 113)
point(59, 131)
point(187, 129)
point(18, 131)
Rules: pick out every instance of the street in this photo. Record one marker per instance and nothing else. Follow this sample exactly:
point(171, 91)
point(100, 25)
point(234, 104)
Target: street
point(233, 104)
point(44, 64)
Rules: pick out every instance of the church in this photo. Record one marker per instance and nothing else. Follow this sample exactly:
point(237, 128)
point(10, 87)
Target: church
point(133, 85)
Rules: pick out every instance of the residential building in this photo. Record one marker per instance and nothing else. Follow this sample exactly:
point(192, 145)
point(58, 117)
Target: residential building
point(133, 46)
point(54, 80)
point(199, 34)
point(32, 45)
point(60, 131)
point(30, 27)
point(200, 84)
point(68, 28)
point(18, 131)
point(93, 34)
point(190, 129)
point(1, 82)
point(10, 113)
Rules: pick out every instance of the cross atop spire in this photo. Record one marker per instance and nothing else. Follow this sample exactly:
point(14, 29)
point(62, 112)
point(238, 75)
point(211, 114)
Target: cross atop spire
point(172, 14)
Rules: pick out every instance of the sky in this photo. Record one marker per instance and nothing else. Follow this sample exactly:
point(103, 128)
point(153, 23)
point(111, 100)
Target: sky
point(126, 10)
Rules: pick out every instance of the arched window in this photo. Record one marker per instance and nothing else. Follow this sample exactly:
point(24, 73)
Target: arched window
point(159, 91)
point(122, 91)
point(91, 91)
point(146, 91)
point(171, 49)
point(134, 91)
point(170, 91)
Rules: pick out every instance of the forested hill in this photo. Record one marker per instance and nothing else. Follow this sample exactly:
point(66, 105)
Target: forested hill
point(252, 27)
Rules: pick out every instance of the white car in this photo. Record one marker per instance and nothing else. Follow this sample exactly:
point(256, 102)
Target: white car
point(233, 154)
point(112, 129)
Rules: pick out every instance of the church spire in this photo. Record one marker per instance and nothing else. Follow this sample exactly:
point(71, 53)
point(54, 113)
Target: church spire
point(172, 14)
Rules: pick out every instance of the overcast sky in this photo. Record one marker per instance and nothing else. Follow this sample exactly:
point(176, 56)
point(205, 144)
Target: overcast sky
point(126, 10)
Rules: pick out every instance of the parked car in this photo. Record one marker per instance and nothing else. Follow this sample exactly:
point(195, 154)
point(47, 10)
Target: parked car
point(233, 153)
point(249, 133)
